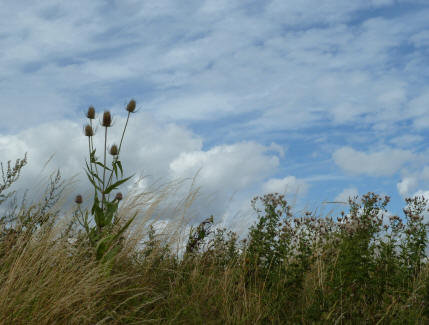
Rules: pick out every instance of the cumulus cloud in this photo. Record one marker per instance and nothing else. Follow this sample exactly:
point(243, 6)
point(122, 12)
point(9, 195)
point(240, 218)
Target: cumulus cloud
point(407, 185)
point(342, 73)
point(225, 170)
point(347, 193)
point(381, 163)
point(235, 166)
point(165, 152)
point(424, 193)
point(287, 185)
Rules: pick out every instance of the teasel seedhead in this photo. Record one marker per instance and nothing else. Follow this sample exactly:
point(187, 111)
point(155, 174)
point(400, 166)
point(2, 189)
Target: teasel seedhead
point(89, 131)
point(78, 199)
point(107, 119)
point(91, 113)
point(131, 107)
point(114, 150)
point(118, 196)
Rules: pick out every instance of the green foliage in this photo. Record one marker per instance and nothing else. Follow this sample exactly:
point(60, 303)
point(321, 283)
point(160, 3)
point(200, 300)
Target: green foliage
point(363, 266)
point(9, 176)
point(198, 235)
point(269, 239)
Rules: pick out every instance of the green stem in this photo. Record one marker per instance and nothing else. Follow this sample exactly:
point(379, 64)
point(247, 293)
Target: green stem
point(104, 168)
point(119, 149)
point(123, 133)
point(91, 150)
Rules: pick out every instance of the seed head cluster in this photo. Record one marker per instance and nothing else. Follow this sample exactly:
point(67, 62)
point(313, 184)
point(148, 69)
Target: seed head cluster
point(91, 113)
point(107, 119)
point(78, 199)
point(114, 150)
point(131, 107)
point(89, 131)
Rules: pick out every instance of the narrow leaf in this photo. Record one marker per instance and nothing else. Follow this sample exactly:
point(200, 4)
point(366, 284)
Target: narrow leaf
point(115, 169)
point(120, 167)
point(92, 181)
point(115, 185)
point(102, 165)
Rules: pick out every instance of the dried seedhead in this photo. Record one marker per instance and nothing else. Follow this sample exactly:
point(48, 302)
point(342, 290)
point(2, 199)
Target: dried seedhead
point(78, 199)
point(89, 131)
point(131, 107)
point(107, 119)
point(118, 196)
point(91, 113)
point(114, 151)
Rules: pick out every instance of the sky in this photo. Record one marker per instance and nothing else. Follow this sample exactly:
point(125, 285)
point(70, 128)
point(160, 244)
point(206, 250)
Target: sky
point(320, 100)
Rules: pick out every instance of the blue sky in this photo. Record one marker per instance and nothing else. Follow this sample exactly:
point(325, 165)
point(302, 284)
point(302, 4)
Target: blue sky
point(322, 98)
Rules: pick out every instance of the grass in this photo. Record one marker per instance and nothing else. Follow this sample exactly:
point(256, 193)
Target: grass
point(360, 267)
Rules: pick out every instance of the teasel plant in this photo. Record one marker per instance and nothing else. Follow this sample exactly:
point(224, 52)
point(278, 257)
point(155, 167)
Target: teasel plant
point(102, 233)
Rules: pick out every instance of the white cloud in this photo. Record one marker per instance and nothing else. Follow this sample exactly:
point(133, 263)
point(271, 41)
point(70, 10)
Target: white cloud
point(287, 185)
point(148, 147)
point(164, 152)
point(236, 165)
point(198, 107)
point(262, 70)
point(347, 193)
point(381, 163)
point(407, 140)
point(225, 170)
point(213, 60)
point(418, 110)
point(424, 193)
point(407, 185)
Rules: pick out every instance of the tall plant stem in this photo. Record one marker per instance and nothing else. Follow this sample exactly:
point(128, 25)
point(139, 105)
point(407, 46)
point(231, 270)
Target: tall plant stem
point(104, 168)
point(123, 133)
point(119, 149)
point(91, 149)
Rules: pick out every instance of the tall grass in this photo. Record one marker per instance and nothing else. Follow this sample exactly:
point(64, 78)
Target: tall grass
point(103, 265)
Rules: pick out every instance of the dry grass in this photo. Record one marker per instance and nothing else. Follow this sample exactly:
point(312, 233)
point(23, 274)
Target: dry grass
point(133, 259)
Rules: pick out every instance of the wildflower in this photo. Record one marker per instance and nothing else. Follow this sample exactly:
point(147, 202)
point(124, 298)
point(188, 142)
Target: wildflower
point(91, 113)
point(118, 196)
point(107, 119)
point(131, 106)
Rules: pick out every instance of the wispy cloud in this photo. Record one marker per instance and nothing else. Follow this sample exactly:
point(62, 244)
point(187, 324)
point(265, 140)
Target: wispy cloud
point(343, 82)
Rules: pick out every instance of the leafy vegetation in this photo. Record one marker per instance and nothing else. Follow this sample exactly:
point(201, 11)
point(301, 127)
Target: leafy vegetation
point(363, 266)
